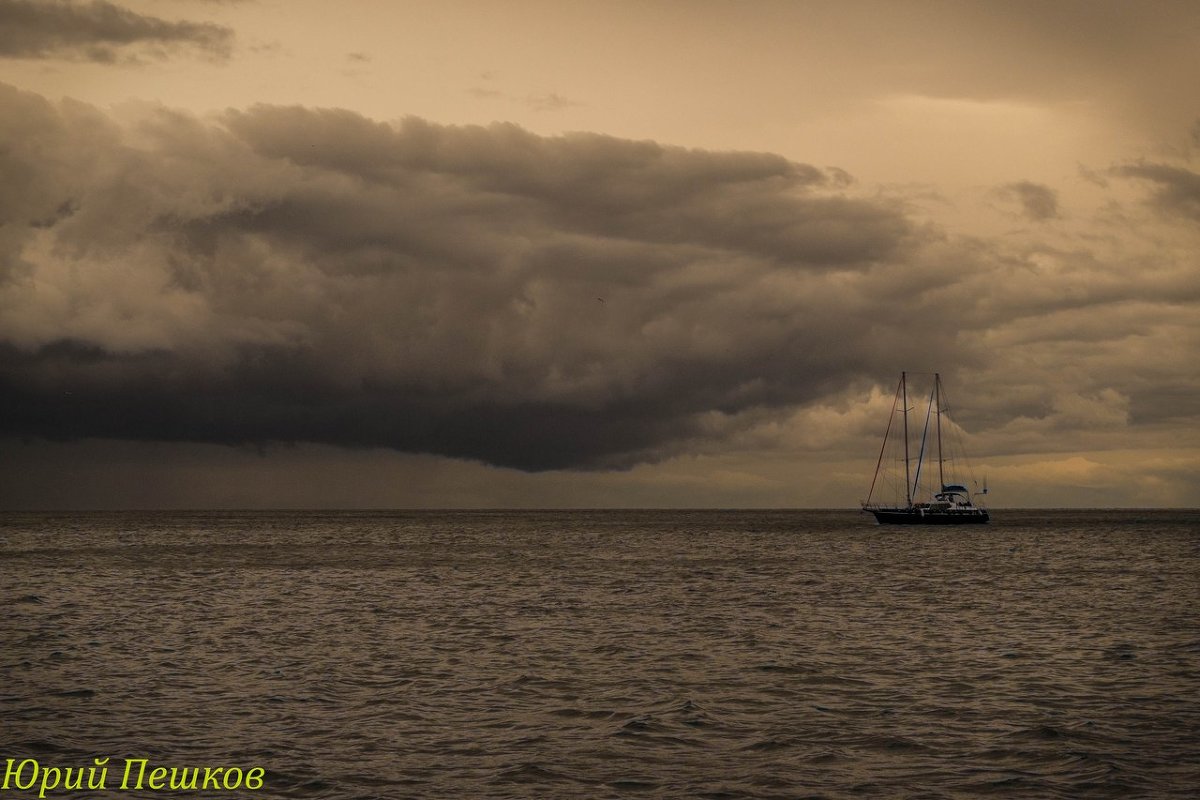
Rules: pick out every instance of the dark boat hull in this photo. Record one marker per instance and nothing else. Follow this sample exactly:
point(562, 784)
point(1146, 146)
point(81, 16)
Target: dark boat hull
point(915, 516)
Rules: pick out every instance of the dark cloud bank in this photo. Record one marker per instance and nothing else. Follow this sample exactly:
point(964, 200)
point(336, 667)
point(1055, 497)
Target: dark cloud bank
point(288, 274)
point(100, 31)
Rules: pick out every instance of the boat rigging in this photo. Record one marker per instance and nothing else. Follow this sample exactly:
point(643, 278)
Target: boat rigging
point(948, 502)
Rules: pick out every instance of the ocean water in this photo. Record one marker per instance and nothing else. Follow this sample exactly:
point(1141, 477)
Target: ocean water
point(606, 654)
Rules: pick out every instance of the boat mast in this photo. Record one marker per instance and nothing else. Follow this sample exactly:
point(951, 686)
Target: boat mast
point(907, 484)
point(924, 439)
point(883, 448)
point(937, 390)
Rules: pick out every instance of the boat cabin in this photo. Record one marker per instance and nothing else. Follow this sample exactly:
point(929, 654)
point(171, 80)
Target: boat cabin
point(954, 494)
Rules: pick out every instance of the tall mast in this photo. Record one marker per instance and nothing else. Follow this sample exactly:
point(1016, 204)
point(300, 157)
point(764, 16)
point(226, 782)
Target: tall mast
point(883, 447)
point(937, 389)
point(907, 485)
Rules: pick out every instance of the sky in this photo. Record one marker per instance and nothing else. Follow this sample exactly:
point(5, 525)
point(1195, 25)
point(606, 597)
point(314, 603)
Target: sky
point(268, 254)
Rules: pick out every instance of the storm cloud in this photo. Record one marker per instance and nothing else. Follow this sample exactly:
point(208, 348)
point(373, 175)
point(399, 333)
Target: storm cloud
point(102, 32)
point(294, 274)
point(289, 274)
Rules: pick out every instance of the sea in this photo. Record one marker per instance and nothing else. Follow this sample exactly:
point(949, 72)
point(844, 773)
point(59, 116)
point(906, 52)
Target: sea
point(599, 654)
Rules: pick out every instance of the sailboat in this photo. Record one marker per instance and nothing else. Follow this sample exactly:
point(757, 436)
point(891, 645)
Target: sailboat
point(922, 500)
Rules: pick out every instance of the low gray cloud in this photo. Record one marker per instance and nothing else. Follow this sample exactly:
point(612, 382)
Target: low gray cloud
point(297, 274)
point(1177, 188)
point(286, 274)
point(101, 31)
point(1038, 202)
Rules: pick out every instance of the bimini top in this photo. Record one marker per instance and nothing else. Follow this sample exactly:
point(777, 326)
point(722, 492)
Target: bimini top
point(954, 487)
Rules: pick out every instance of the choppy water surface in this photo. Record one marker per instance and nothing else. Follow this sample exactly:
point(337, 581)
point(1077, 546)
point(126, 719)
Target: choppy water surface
point(611, 654)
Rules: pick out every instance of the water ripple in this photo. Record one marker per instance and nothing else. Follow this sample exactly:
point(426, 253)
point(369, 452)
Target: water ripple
point(611, 654)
